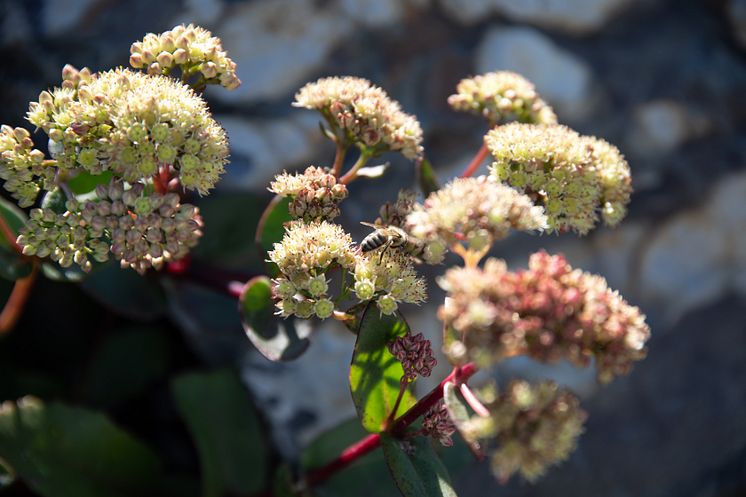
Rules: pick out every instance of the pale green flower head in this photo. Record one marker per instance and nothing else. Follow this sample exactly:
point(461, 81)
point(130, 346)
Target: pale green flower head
point(392, 276)
point(131, 123)
point(22, 168)
point(191, 48)
point(574, 177)
point(363, 114)
point(502, 96)
point(474, 211)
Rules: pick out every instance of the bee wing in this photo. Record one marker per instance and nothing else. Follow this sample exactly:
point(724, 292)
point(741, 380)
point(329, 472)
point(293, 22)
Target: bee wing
point(369, 224)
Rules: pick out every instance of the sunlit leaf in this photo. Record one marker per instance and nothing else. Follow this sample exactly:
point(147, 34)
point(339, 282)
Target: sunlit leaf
point(373, 171)
point(374, 373)
point(85, 182)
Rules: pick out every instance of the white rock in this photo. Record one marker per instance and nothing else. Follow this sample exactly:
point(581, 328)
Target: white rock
point(374, 13)
point(60, 16)
point(570, 16)
point(661, 126)
point(277, 44)
point(201, 12)
point(563, 79)
point(699, 255)
point(577, 17)
point(270, 145)
point(315, 383)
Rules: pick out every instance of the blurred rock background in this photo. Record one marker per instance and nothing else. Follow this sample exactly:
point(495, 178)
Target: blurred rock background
point(665, 80)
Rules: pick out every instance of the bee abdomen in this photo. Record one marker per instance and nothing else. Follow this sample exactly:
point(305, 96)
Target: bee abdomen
point(372, 241)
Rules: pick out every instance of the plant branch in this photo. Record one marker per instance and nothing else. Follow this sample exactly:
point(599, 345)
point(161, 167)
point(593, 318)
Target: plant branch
point(339, 158)
point(371, 442)
point(17, 300)
point(475, 162)
point(350, 175)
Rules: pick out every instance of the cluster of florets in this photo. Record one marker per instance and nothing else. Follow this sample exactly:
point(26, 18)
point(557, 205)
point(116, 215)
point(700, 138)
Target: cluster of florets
point(305, 254)
point(134, 125)
point(141, 231)
point(388, 279)
point(363, 114)
point(475, 211)
point(22, 167)
point(190, 48)
point(315, 193)
point(437, 424)
point(415, 354)
point(549, 311)
point(572, 176)
point(502, 96)
point(529, 428)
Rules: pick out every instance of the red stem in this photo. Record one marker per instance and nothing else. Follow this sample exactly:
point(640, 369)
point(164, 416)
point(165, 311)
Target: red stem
point(17, 300)
point(7, 232)
point(371, 442)
point(475, 162)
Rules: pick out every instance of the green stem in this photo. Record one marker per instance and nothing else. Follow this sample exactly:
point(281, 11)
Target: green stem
point(352, 173)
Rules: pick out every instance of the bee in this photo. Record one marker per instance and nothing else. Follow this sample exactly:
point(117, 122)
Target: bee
point(391, 236)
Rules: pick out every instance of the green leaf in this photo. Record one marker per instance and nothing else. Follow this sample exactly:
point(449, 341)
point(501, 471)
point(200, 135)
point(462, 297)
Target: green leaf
point(12, 265)
point(125, 292)
point(374, 372)
point(224, 425)
point(85, 182)
point(426, 177)
point(271, 228)
point(111, 377)
point(7, 475)
point(230, 221)
point(366, 477)
point(63, 451)
point(277, 339)
point(418, 472)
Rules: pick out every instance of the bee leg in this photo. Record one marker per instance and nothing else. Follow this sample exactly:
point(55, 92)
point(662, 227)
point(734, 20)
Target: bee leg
point(383, 250)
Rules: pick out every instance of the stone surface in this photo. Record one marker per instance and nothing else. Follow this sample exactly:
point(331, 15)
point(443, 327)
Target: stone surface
point(374, 13)
point(576, 17)
point(561, 78)
point(277, 45)
point(736, 11)
point(698, 255)
point(61, 16)
point(201, 12)
point(661, 126)
point(260, 148)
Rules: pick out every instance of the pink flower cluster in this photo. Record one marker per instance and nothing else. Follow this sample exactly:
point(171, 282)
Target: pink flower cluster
point(549, 311)
point(415, 354)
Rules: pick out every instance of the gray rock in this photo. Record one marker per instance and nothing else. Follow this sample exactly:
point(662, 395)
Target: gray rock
point(576, 17)
point(201, 12)
point(698, 255)
point(373, 13)
point(260, 148)
point(661, 126)
point(61, 16)
point(277, 45)
point(15, 25)
point(736, 10)
point(563, 79)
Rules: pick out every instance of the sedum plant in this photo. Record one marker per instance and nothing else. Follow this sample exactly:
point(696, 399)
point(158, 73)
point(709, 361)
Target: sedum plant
point(129, 147)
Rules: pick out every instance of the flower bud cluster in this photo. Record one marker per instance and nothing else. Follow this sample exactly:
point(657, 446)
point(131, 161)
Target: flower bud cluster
point(305, 254)
point(22, 167)
point(530, 428)
point(476, 211)
point(549, 311)
point(437, 423)
point(363, 114)
point(191, 48)
point(415, 354)
point(389, 279)
point(572, 176)
point(132, 124)
point(141, 231)
point(502, 96)
point(315, 193)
